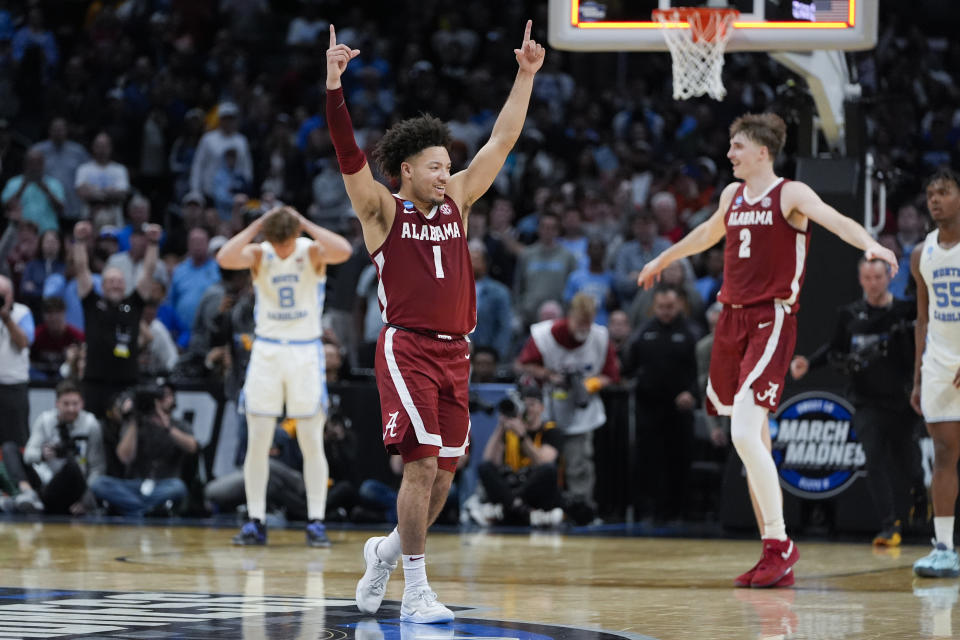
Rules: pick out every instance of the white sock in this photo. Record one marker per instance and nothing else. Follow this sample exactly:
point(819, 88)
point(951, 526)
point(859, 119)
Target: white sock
point(943, 528)
point(414, 571)
point(746, 428)
point(389, 548)
point(256, 466)
point(316, 472)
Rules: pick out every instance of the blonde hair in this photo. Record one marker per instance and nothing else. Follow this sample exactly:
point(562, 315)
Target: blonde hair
point(281, 224)
point(583, 304)
point(766, 129)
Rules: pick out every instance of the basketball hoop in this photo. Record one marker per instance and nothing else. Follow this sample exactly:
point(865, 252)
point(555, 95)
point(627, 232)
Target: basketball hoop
point(697, 38)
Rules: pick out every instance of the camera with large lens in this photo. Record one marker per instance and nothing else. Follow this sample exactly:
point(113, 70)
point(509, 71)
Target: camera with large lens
point(510, 406)
point(65, 447)
point(576, 391)
point(145, 398)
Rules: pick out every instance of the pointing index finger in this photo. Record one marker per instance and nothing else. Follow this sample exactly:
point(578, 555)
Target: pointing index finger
point(526, 32)
point(333, 36)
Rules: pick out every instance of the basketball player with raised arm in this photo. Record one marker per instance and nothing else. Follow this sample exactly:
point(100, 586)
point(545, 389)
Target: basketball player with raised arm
point(935, 265)
point(417, 239)
point(765, 221)
point(286, 366)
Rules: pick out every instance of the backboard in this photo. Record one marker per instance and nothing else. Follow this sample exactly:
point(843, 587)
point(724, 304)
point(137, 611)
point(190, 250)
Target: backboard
point(764, 25)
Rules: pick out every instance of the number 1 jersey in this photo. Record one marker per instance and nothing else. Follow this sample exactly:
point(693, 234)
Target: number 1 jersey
point(765, 257)
point(424, 269)
point(290, 294)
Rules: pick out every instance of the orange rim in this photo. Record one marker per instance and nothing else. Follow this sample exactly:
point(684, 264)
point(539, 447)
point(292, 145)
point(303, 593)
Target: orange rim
point(706, 24)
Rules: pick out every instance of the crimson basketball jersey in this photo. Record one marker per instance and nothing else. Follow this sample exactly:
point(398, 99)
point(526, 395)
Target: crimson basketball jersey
point(426, 277)
point(765, 257)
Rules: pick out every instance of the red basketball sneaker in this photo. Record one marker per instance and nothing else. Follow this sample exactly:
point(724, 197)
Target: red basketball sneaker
point(776, 563)
point(744, 579)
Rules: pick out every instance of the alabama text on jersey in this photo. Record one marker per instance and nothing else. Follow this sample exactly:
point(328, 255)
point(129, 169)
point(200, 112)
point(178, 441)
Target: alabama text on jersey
point(425, 273)
point(764, 257)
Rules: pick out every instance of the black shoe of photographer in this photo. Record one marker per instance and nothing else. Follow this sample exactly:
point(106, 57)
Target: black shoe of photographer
point(363, 515)
point(28, 502)
point(890, 536)
point(579, 511)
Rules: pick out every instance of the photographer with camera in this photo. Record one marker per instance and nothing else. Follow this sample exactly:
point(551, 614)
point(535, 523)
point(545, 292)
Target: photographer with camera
point(573, 359)
point(64, 454)
point(152, 446)
point(16, 336)
point(519, 468)
point(873, 345)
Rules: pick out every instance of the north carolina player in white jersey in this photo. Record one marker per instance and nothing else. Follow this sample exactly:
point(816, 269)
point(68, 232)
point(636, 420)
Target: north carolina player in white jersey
point(286, 363)
point(936, 381)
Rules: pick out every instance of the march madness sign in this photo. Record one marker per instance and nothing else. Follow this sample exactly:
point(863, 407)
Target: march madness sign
point(815, 447)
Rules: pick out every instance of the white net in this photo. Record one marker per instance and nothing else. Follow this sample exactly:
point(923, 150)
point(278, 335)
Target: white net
point(697, 51)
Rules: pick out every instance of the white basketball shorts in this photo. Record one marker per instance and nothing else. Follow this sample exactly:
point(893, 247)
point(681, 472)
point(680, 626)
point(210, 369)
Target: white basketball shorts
point(939, 399)
point(290, 373)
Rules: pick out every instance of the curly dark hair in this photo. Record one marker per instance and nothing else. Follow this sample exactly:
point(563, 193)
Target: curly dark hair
point(408, 138)
point(945, 174)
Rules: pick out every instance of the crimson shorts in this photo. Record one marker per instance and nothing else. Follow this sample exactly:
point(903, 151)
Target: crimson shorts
point(752, 349)
point(424, 395)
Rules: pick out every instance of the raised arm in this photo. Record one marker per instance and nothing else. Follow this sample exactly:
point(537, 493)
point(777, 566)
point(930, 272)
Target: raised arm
point(153, 232)
point(81, 264)
point(705, 235)
point(238, 252)
point(468, 185)
point(920, 329)
point(371, 200)
point(797, 196)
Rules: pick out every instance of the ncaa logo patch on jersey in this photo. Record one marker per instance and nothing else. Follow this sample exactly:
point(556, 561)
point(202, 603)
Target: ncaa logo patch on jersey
point(445, 209)
point(738, 202)
point(408, 207)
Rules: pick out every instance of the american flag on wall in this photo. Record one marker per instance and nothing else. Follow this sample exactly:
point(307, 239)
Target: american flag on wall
point(833, 10)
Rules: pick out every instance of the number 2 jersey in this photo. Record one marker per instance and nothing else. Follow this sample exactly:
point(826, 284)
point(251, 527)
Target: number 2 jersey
point(290, 294)
point(424, 270)
point(940, 269)
point(765, 257)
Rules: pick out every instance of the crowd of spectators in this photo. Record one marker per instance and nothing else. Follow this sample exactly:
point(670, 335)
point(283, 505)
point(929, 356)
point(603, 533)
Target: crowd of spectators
point(196, 116)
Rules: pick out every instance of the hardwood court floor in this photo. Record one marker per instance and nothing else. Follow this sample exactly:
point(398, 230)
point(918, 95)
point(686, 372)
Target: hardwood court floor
point(637, 587)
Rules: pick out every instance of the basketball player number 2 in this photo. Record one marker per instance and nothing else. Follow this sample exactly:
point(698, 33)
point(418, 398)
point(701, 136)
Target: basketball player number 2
point(744, 243)
point(436, 260)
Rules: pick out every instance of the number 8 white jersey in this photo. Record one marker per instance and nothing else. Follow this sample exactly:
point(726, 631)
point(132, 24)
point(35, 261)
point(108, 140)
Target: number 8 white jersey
point(290, 294)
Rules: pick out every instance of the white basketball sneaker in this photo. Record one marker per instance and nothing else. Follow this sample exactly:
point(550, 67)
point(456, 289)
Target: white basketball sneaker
point(421, 605)
point(373, 584)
